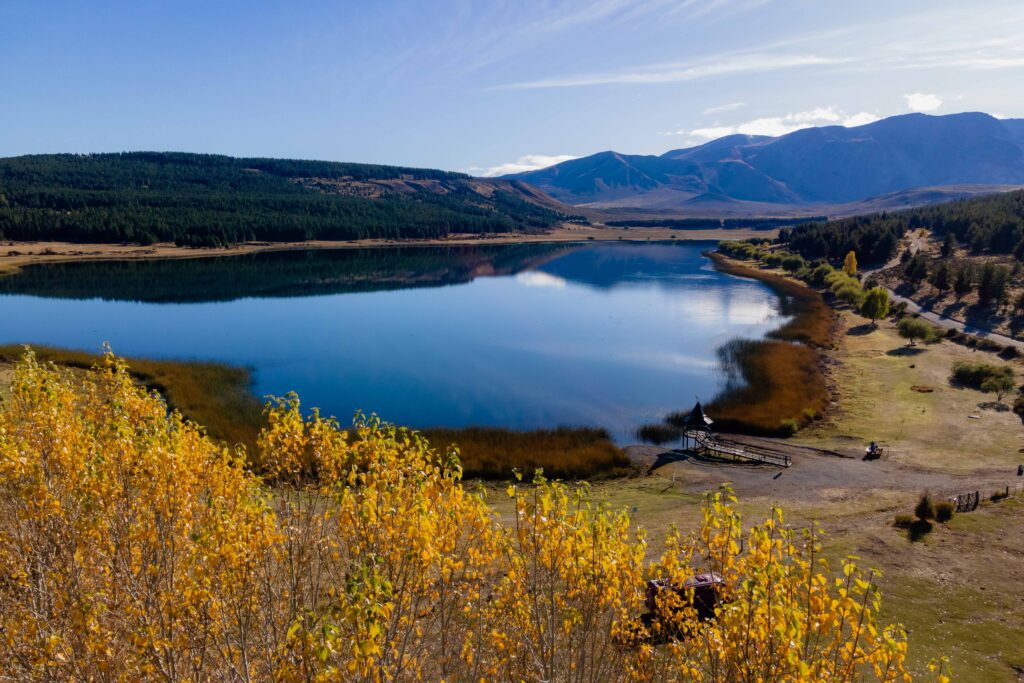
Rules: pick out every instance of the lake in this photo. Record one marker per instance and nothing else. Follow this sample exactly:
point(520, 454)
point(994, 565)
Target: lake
point(521, 336)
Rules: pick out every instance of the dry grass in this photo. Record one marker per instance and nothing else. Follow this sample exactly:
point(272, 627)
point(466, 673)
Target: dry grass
point(214, 395)
point(813, 322)
point(565, 453)
point(782, 382)
point(877, 381)
point(777, 383)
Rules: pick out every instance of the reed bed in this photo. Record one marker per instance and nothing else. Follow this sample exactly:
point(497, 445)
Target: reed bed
point(782, 388)
point(217, 396)
point(812, 321)
point(564, 453)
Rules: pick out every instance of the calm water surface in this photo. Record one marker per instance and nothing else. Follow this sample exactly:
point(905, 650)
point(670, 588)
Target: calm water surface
point(522, 336)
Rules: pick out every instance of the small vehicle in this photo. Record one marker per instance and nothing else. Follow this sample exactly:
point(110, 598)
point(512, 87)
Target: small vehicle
point(703, 592)
point(873, 452)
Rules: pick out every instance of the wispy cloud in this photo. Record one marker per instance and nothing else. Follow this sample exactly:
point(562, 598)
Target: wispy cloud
point(725, 107)
point(529, 162)
point(780, 125)
point(726, 65)
point(922, 102)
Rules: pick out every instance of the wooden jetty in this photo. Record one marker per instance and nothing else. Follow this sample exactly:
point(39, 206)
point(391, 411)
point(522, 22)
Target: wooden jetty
point(699, 439)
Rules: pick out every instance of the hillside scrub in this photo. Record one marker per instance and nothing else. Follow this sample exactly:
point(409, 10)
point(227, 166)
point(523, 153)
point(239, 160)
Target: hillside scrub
point(132, 547)
point(992, 224)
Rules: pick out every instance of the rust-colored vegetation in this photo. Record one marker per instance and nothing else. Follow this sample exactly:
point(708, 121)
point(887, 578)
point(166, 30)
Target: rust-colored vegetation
point(565, 453)
point(775, 385)
point(782, 388)
point(217, 396)
point(812, 320)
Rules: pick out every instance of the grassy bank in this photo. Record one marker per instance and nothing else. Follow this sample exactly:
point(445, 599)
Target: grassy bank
point(564, 453)
point(215, 395)
point(220, 398)
point(812, 321)
point(775, 385)
point(781, 388)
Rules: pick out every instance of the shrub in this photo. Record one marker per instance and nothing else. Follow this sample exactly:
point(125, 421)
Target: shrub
point(838, 278)
point(789, 427)
point(821, 273)
point(132, 548)
point(975, 375)
point(998, 385)
point(903, 521)
point(793, 263)
point(850, 293)
point(876, 304)
point(925, 509)
point(1018, 406)
point(944, 511)
point(913, 329)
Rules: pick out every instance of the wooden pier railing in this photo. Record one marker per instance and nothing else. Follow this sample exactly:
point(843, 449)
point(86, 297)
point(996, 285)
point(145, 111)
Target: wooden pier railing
point(708, 445)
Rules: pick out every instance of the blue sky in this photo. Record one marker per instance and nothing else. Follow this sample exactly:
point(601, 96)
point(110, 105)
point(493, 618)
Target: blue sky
point(486, 86)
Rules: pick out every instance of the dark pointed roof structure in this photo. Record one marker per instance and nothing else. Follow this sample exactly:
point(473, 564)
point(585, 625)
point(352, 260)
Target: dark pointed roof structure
point(697, 419)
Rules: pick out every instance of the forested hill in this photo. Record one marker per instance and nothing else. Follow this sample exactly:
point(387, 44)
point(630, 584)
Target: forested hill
point(992, 224)
point(208, 200)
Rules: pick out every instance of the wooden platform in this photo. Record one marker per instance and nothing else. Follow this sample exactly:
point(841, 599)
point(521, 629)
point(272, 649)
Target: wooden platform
point(709, 446)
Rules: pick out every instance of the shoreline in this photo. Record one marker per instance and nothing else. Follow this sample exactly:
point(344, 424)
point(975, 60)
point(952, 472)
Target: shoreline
point(14, 255)
point(784, 387)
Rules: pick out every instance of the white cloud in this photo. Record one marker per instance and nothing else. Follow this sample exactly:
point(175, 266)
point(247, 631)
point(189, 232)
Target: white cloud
point(920, 101)
point(724, 65)
point(725, 107)
point(781, 125)
point(530, 162)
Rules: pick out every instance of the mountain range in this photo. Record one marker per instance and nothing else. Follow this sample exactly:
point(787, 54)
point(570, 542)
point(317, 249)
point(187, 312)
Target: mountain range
point(898, 161)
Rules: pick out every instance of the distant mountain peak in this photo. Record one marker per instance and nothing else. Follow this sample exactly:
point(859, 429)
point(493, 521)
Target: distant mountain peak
point(811, 166)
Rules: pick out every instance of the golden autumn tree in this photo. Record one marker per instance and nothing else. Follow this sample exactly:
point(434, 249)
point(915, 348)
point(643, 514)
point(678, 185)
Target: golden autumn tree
point(850, 264)
point(134, 548)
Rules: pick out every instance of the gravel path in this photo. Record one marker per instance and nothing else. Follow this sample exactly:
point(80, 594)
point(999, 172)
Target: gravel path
point(814, 476)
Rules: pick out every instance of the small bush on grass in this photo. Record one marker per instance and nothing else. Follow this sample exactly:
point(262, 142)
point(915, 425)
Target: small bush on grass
point(820, 273)
point(914, 329)
point(793, 263)
point(944, 512)
point(975, 375)
point(789, 427)
point(903, 521)
point(925, 509)
point(851, 294)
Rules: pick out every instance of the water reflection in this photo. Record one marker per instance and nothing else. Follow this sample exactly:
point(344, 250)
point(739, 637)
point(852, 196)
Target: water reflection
point(524, 336)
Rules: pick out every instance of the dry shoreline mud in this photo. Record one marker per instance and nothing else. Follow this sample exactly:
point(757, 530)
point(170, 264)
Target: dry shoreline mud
point(13, 255)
